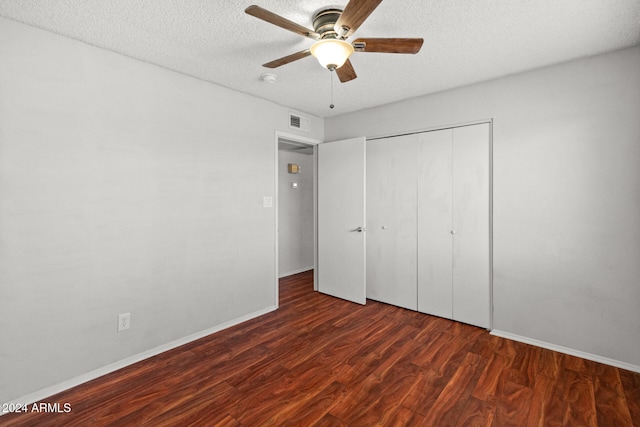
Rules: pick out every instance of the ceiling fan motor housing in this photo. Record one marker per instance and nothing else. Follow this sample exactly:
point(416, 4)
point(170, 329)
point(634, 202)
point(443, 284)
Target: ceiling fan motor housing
point(324, 22)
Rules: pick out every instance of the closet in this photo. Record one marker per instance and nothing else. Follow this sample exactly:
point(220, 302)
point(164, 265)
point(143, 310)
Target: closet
point(428, 222)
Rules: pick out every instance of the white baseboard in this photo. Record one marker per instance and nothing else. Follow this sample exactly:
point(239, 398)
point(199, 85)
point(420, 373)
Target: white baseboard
point(42, 394)
point(566, 350)
point(291, 273)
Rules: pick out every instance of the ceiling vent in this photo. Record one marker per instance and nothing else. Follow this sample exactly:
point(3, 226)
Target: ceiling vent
point(299, 122)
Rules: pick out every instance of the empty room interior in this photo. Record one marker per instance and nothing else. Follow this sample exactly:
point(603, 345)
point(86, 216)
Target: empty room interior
point(205, 221)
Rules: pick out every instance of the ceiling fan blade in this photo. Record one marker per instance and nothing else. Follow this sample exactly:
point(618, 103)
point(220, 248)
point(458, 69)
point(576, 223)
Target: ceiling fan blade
point(346, 72)
point(354, 15)
point(287, 59)
point(390, 45)
point(281, 22)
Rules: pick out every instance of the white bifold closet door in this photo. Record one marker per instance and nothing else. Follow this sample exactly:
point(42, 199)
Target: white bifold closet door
point(392, 165)
point(453, 224)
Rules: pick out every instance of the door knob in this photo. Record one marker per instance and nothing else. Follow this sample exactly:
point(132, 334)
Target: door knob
point(359, 229)
point(453, 232)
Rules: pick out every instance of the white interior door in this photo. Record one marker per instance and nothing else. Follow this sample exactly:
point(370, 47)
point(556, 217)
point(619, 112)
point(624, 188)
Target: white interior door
point(341, 265)
point(392, 220)
point(434, 223)
point(471, 263)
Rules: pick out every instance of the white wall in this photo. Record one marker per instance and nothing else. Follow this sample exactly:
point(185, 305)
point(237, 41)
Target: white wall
point(566, 195)
point(295, 214)
point(124, 187)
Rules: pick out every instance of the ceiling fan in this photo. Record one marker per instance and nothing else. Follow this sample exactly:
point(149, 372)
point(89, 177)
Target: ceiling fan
point(331, 28)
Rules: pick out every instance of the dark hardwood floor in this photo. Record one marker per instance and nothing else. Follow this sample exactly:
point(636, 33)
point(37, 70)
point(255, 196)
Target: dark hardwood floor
point(321, 361)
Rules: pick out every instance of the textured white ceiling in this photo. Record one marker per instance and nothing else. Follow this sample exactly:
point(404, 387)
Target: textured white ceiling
point(466, 41)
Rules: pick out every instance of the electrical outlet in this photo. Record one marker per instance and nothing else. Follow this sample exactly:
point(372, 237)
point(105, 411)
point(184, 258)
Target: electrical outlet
point(124, 321)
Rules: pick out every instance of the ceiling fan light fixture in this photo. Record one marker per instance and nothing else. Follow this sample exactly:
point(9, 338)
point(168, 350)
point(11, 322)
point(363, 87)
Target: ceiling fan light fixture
point(331, 53)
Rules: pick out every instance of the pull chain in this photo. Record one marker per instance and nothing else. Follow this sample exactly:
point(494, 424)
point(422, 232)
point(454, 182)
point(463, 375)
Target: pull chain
point(331, 78)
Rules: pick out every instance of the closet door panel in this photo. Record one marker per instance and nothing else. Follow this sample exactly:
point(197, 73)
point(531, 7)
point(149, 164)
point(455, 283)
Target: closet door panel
point(377, 215)
point(403, 222)
point(392, 220)
point(434, 223)
point(471, 274)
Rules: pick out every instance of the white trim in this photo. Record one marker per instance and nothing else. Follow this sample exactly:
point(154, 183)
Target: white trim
point(296, 271)
point(276, 247)
point(491, 224)
point(566, 350)
point(81, 379)
point(315, 215)
point(296, 138)
point(431, 129)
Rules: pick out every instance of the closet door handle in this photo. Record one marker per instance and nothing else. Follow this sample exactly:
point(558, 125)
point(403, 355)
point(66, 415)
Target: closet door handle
point(359, 229)
point(453, 232)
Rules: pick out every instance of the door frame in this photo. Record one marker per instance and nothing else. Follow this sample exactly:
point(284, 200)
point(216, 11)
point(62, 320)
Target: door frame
point(278, 135)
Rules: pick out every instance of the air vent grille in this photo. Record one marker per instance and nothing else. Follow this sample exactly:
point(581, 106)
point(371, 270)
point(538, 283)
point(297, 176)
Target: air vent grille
point(299, 122)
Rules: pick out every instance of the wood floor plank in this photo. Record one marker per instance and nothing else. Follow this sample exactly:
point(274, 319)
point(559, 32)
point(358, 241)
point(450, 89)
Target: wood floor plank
point(476, 413)
point(580, 400)
point(380, 403)
point(513, 402)
point(631, 384)
point(375, 397)
point(578, 364)
point(526, 364)
point(610, 399)
point(550, 364)
point(485, 389)
point(544, 398)
point(342, 336)
point(402, 416)
point(370, 356)
point(296, 388)
point(191, 406)
point(316, 407)
point(425, 392)
point(428, 332)
point(329, 421)
point(227, 421)
point(375, 375)
point(322, 361)
point(485, 345)
point(458, 388)
point(439, 344)
point(448, 359)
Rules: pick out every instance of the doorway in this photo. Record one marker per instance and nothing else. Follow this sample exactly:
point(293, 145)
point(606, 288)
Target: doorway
point(295, 206)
